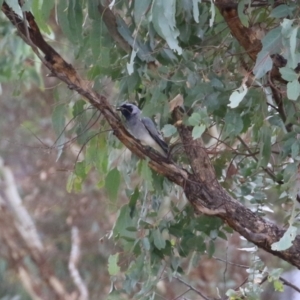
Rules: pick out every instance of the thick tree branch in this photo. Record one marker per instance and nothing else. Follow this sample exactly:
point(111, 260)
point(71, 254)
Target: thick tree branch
point(201, 187)
point(248, 39)
point(245, 36)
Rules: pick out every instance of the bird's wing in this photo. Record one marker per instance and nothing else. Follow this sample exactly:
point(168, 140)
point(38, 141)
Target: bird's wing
point(155, 134)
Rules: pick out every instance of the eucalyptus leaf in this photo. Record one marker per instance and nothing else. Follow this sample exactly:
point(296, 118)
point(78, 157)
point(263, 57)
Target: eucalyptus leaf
point(280, 11)
point(265, 151)
point(140, 8)
point(241, 14)
point(158, 239)
point(288, 74)
point(113, 268)
point(272, 41)
point(14, 4)
point(163, 19)
point(237, 96)
point(293, 89)
point(263, 64)
point(293, 45)
point(112, 184)
point(286, 241)
point(194, 119)
point(58, 122)
point(198, 131)
point(168, 130)
point(196, 10)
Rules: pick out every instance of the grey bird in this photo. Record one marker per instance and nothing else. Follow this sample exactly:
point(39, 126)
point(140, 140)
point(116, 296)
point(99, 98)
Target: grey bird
point(143, 128)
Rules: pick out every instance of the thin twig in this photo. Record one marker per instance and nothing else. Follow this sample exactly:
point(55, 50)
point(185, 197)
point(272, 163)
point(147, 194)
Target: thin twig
point(231, 263)
point(243, 282)
point(290, 284)
point(287, 283)
point(267, 170)
point(178, 297)
point(192, 288)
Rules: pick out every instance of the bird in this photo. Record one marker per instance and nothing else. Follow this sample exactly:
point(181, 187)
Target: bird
point(143, 128)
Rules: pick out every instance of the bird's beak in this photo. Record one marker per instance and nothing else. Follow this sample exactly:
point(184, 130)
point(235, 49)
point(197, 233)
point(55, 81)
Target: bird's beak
point(119, 108)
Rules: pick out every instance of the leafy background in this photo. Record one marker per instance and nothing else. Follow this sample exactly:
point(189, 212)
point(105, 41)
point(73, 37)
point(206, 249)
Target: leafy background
point(139, 237)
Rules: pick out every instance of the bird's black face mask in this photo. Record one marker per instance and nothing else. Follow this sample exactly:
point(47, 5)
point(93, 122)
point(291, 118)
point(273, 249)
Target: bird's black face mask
point(126, 110)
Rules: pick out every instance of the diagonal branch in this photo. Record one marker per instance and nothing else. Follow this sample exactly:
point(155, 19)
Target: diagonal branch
point(201, 187)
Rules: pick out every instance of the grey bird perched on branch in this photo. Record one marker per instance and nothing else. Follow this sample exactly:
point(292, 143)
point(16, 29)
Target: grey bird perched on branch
point(143, 128)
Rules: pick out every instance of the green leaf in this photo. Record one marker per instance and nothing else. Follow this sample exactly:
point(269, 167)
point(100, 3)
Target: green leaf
point(46, 9)
point(196, 10)
point(233, 295)
point(293, 90)
point(146, 243)
point(198, 131)
point(213, 13)
point(278, 286)
point(58, 118)
point(280, 11)
point(274, 274)
point(58, 123)
point(78, 108)
point(70, 182)
point(93, 11)
point(114, 294)
point(143, 51)
point(242, 16)
point(290, 171)
point(194, 119)
point(163, 19)
point(263, 64)
point(146, 174)
point(286, 241)
point(288, 74)
point(295, 150)
point(75, 18)
point(211, 248)
point(14, 5)
point(133, 199)
point(113, 268)
point(41, 12)
point(74, 183)
point(233, 123)
point(293, 44)
point(265, 150)
point(140, 8)
point(95, 40)
point(124, 221)
point(80, 169)
point(130, 65)
point(112, 184)
point(272, 41)
point(237, 96)
point(168, 130)
point(63, 20)
point(286, 27)
point(96, 153)
point(158, 239)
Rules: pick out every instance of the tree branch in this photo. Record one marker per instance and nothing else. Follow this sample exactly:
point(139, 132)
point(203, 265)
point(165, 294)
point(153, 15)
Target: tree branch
point(191, 288)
